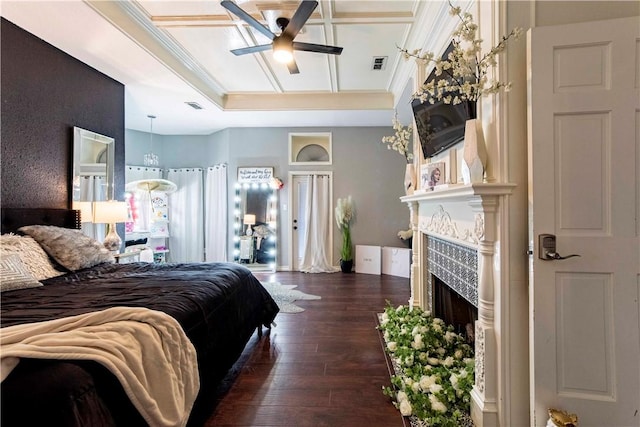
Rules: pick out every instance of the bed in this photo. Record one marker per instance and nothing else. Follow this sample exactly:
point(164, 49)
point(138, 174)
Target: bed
point(218, 307)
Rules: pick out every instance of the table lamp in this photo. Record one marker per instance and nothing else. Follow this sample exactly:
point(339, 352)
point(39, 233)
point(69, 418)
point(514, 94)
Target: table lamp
point(86, 210)
point(110, 212)
point(249, 220)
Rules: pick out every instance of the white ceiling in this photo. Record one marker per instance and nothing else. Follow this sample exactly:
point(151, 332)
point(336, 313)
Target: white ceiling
point(167, 53)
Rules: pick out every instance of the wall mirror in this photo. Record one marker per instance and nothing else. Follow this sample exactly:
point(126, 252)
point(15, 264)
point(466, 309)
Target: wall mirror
point(93, 175)
point(310, 148)
point(255, 223)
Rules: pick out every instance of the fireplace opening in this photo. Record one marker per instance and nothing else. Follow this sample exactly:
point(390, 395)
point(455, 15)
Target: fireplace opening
point(449, 306)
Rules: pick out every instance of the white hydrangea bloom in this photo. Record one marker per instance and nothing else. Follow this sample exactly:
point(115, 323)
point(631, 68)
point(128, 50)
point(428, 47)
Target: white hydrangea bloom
point(435, 388)
point(405, 408)
point(427, 381)
point(453, 379)
point(436, 404)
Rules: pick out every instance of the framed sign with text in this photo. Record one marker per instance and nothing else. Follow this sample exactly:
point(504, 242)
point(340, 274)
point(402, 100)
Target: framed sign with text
point(254, 175)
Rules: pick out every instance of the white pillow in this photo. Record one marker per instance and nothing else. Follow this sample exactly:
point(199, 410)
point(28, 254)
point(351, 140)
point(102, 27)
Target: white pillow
point(14, 275)
point(33, 257)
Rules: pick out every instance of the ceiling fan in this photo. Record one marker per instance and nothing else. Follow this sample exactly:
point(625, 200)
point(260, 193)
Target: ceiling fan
point(283, 45)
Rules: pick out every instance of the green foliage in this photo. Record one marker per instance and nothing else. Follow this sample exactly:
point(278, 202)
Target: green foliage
point(345, 214)
point(434, 367)
point(346, 251)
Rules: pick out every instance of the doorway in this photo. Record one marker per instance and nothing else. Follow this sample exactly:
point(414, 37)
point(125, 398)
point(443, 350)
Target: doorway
point(300, 210)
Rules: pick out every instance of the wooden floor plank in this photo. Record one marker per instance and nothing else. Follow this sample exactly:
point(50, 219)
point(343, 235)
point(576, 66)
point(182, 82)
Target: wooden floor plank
point(322, 367)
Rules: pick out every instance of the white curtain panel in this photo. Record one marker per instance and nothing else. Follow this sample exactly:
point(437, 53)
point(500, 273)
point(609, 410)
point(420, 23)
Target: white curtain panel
point(318, 220)
point(186, 241)
point(142, 198)
point(93, 188)
point(215, 202)
point(136, 173)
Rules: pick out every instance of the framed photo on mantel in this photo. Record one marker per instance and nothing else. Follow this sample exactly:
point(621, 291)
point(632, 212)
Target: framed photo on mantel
point(432, 175)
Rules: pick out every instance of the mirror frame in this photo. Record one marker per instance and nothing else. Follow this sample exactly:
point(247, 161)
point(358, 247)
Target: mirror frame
point(82, 150)
point(257, 178)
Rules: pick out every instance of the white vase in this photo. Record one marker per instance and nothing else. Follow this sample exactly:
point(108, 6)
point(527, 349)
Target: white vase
point(474, 155)
point(409, 179)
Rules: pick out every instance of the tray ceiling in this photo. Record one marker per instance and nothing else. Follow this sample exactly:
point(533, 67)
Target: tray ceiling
point(168, 53)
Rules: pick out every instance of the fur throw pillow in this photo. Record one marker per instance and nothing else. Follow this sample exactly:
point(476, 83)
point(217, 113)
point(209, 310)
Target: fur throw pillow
point(71, 248)
point(33, 257)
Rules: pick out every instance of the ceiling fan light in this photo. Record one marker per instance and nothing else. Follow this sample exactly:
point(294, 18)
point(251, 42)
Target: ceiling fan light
point(282, 54)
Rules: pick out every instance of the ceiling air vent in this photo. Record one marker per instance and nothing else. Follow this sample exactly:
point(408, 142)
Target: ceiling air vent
point(194, 105)
point(379, 63)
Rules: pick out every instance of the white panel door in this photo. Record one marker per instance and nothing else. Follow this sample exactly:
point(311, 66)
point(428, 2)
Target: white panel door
point(584, 149)
point(300, 186)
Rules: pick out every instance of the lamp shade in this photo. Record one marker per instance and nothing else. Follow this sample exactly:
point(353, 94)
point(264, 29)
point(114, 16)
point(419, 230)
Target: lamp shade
point(86, 210)
point(249, 219)
point(110, 212)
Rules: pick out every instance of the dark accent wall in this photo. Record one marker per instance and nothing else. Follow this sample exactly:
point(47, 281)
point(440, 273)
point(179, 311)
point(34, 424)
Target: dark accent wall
point(45, 93)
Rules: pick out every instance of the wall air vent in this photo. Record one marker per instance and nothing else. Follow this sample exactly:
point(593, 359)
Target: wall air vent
point(194, 105)
point(379, 63)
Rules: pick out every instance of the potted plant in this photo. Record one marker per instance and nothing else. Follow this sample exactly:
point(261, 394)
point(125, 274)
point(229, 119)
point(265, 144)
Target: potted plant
point(344, 217)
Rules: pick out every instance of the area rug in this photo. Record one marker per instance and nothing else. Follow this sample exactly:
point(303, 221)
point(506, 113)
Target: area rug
point(285, 295)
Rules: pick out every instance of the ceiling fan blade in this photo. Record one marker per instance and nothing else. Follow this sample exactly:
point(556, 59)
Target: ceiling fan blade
point(299, 18)
point(251, 49)
point(320, 48)
point(293, 67)
point(235, 9)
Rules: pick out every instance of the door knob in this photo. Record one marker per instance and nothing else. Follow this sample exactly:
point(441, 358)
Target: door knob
point(547, 248)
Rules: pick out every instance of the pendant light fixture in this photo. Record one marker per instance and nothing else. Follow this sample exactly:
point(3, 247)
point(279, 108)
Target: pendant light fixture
point(151, 159)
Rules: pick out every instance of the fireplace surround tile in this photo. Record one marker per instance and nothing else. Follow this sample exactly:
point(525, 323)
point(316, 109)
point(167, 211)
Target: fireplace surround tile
point(454, 264)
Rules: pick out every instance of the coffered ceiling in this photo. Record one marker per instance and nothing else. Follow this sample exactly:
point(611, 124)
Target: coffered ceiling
point(168, 53)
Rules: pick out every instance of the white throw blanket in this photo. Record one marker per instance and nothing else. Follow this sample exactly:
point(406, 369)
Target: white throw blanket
point(146, 350)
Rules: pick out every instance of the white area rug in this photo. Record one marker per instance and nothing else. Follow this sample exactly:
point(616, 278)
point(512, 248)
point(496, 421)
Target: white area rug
point(284, 295)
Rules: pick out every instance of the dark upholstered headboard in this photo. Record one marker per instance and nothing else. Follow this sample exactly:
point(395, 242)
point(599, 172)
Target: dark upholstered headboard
point(14, 218)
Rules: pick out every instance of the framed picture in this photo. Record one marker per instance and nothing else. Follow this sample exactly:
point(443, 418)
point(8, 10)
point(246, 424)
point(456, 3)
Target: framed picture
point(254, 175)
point(432, 175)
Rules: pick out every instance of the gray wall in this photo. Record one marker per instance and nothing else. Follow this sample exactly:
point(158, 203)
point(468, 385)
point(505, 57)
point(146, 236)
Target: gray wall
point(362, 167)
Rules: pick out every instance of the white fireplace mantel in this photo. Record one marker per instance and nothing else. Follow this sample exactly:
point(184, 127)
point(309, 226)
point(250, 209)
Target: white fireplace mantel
point(459, 192)
point(468, 215)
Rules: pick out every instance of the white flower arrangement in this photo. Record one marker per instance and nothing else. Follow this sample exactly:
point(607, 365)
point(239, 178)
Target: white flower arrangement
point(434, 367)
point(466, 65)
point(400, 140)
point(344, 212)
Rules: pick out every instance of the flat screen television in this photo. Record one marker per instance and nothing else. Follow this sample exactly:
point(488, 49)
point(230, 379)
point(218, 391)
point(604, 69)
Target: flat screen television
point(439, 125)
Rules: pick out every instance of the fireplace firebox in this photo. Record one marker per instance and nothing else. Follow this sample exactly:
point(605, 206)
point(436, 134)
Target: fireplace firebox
point(449, 306)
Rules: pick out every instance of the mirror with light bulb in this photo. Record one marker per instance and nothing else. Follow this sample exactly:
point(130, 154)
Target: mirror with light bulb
point(255, 219)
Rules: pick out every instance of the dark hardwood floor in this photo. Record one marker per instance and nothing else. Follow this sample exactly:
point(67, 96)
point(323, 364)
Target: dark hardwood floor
point(322, 367)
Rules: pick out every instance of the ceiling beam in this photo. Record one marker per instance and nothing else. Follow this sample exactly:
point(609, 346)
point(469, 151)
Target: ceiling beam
point(300, 101)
